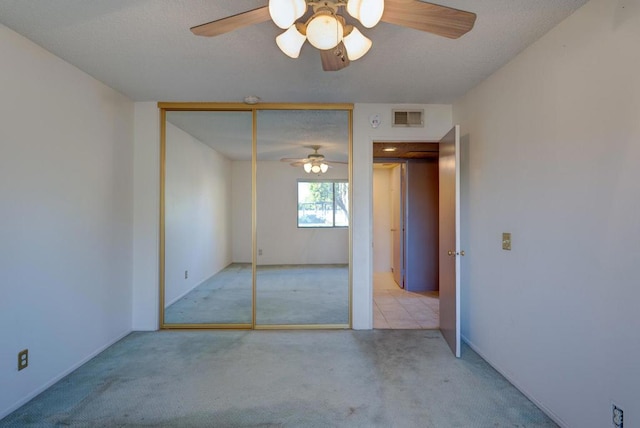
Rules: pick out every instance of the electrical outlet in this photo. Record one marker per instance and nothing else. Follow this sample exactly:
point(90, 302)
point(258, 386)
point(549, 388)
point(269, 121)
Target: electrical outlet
point(617, 417)
point(186, 274)
point(506, 241)
point(260, 251)
point(23, 359)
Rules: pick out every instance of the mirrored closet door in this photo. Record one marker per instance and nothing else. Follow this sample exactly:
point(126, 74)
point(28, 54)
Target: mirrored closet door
point(207, 218)
point(302, 218)
point(255, 216)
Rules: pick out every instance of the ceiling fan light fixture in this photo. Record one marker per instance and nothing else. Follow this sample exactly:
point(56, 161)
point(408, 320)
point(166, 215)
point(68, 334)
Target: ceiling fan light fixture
point(356, 44)
point(368, 12)
point(324, 31)
point(290, 42)
point(326, 28)
point(285, 12)
point(315, 167)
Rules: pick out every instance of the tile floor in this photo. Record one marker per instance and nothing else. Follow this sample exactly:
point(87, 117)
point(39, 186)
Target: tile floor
point(394, 308)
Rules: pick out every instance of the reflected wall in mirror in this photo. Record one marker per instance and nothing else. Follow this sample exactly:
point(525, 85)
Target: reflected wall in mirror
point(207, 218)
point(302, 218)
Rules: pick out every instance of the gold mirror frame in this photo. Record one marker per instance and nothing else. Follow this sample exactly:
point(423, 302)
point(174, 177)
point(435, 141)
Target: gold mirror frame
point(165, 107)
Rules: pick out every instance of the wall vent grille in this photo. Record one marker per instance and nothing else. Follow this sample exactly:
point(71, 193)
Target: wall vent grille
point(404, 118)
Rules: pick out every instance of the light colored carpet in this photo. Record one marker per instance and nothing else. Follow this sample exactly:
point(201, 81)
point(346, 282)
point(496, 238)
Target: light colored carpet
point(225, 298)
point(317, 294)
point(286, 294)
point(345, 378)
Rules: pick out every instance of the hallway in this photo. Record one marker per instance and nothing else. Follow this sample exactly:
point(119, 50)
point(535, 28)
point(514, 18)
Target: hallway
point(394, 308)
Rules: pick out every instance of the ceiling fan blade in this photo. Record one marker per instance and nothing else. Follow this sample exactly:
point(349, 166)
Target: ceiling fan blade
point(297, 163)
point(334, 59)
point(429, 17)
point(294, 160)
point(230, 23)
point(337, 162)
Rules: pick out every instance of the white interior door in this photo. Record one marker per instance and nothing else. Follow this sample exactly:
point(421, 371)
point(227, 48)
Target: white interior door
point(449, 252)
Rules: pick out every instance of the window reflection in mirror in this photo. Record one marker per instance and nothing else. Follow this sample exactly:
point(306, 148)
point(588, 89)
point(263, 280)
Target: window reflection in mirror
point(323, 203)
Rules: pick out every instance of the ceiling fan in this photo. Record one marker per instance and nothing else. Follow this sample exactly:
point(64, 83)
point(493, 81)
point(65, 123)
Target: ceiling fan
point(314, 162)
point(327, 30)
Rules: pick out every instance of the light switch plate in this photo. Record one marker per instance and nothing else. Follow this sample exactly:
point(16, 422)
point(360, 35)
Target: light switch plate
point(506, 241)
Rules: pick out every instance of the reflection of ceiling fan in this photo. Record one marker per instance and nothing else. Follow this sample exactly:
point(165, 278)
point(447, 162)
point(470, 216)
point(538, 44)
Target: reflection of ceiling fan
point(314, 162)
point(328, 31)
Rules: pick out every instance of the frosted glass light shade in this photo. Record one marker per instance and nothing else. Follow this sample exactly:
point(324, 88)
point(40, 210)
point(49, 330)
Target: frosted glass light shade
point(368, 12)
point(315, 169)
point(285, 12)
point(356, 44)
point(324, 31)
point(290, 42)
point(324, 167)
point(307, 167)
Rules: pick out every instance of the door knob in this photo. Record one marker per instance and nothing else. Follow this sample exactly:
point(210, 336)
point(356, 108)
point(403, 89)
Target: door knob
point(450, 253)
point(461, 253)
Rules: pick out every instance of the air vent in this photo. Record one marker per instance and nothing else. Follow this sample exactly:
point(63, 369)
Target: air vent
point(408, 118)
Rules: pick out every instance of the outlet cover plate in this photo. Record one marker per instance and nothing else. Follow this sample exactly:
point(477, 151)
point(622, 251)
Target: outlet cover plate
point(506, 241)
point(618, 419)
point(23, 359)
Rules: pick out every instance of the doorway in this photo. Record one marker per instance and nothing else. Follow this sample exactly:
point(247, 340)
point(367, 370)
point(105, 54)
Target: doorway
point(405, 241)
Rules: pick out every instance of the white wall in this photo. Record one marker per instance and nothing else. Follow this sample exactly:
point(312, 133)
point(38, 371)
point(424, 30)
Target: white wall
point(553, 156)
point(146, 217)
point(278, 235)
point(197, 213)
point(241, 227)
point(277, 218)
point(66, 157)
point(382, 220)
point(438, 121)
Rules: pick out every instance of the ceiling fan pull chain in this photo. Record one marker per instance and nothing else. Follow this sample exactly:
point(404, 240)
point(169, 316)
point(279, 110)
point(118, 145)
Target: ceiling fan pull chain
point(338, 52)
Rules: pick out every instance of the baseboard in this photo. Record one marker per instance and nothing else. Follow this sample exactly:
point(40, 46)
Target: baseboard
point(29, 397)
point(167, 304)
point(513, 382)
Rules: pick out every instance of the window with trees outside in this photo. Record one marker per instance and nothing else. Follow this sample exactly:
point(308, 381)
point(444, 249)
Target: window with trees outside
point(323, 203)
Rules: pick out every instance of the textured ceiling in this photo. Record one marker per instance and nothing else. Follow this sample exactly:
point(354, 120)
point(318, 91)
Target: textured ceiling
point(281, 133)
point(144, 49)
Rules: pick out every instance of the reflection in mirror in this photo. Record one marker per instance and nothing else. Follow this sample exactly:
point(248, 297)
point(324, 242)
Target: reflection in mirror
point(302, 217)
point(208, 272)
